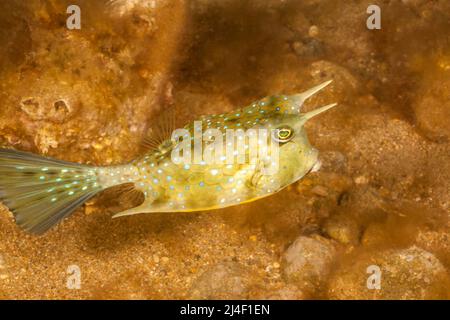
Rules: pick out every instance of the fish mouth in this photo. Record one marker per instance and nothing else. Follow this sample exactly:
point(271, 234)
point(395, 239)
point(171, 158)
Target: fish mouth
point(316, 167)
point(314, 164)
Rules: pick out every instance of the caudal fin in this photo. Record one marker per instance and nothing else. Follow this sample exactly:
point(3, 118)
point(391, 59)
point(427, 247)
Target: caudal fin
point(42, 191)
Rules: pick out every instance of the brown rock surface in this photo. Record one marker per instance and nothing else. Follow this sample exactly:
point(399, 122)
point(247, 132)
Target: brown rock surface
point(404, 274)
point(308, 261)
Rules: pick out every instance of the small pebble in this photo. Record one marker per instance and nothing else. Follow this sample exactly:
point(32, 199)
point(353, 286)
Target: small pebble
point(313, 31)
point(320, 191)
point(361, 180)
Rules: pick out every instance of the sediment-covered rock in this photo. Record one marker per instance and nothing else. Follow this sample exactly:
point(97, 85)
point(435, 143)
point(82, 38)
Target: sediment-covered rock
point(432, 109)
point(222, 281)
point(307, 262)
point(410, 273)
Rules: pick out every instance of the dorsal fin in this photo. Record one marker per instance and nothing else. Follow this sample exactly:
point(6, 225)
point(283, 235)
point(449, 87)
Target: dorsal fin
point(159, 130)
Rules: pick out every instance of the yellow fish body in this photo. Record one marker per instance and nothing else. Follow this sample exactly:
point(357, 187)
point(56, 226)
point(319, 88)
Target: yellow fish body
point(41, 191)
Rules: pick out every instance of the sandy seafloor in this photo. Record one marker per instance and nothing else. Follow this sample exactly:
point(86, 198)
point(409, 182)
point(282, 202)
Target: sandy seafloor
point(381, 198)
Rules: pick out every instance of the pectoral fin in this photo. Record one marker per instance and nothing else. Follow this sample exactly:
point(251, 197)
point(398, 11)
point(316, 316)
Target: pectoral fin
point(256, 178)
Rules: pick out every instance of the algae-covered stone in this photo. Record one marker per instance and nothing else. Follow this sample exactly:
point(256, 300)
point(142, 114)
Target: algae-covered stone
point(342, 229)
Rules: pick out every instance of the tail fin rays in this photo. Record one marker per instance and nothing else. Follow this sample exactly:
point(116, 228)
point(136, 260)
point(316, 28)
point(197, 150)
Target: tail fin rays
point(42, 191)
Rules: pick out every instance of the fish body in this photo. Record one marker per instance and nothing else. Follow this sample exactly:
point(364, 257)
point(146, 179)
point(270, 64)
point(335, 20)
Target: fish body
point(42, 191)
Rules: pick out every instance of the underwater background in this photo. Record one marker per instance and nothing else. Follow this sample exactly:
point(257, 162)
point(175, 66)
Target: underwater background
point(381, 199)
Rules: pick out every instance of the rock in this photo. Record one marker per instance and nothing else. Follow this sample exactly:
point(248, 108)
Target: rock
point(345, 83)
point(437, 174)
point(313, 31)
point(298, 22)
point(437, 242)
point(374, 234)
point(387, 148)
point(222, 281)
point(308, 48)
point(72, 90)
point(333, 161)
point(312, 187)
point(320, 191)
point(432, 110)
point(40, 109)
point(307, 262)
point(411, 273)
point(343, 229)
point(361, 180)
point(346, 33)
point(89, 209)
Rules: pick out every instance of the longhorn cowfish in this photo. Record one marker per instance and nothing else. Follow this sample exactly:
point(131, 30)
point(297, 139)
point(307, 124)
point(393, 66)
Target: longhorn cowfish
point(41, 191)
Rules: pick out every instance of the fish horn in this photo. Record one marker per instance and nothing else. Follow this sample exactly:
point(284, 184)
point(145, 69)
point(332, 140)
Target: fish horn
point(312, 114)
point(302, 97)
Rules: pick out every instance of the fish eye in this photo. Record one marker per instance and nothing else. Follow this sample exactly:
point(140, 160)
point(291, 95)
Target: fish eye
point(283, 134)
